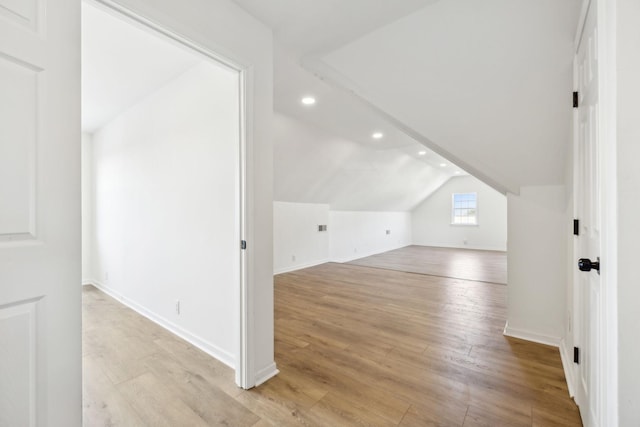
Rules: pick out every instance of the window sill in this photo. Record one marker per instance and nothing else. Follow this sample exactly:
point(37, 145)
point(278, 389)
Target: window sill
point(464, 225)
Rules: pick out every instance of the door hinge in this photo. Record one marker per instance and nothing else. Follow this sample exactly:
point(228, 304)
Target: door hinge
point(243, 244)
point(576, 355)
point(575, 99)
point(576, 227)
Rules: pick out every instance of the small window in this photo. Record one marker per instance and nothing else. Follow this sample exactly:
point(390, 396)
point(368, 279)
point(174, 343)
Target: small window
point(464, 209)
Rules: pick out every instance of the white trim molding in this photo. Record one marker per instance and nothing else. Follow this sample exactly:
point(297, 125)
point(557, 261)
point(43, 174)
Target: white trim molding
point(212, 350)
point(568, 367)
point(607, 125)
point(266, 373)
point(531, 336)
point(300, 266)
point(367, 254)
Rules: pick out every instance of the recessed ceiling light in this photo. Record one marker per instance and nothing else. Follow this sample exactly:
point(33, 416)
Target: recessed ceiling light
point(308, 100)
point(457, 172)
point(422, 153)
point(377, 135)
point(443, 165)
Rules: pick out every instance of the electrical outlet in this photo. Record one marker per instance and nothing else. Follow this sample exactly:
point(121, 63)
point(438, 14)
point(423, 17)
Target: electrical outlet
point(106, 276)
point(178, 307)
point(293, 258)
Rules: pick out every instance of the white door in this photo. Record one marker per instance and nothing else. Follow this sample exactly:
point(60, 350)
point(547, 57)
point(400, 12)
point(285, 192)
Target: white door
point(587, 191)
point(40, 315)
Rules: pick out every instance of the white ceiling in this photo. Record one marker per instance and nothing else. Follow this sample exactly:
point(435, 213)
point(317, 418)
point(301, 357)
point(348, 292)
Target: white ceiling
point(481, 83)
point(312, 26)
point(488, 81)
point(121, 64)
point(342, 115)
point(325, 153)
point(484, 83)
point(312, 165)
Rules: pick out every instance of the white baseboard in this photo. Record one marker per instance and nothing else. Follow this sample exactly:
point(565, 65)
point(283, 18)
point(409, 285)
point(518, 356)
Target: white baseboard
point(366, 254)
point(299, 266)
point(209, 348)
point(471, 247)
point(568, 367)
point(266, 373)
point(531, 336)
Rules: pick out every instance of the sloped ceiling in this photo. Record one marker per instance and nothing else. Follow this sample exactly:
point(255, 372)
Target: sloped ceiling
point(489, 81)
point(485, 83)
point(312, 165)
point(312, 26)
point(325, 153)
point(121, 64)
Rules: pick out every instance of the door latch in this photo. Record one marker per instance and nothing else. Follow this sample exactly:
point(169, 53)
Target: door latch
point(585, 264)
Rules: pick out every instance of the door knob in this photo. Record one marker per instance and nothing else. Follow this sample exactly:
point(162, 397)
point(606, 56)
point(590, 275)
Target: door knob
point(585, 264)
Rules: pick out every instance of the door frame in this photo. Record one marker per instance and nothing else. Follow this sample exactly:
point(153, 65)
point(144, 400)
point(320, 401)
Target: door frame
point(606, 123)
point(243, 369)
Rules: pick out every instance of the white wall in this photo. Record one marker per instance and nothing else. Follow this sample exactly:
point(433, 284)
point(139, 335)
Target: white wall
point(431, 220)
point(223, 27)
point(354, 234)
point(87, 205)
point(166, 229)
point(350, 234)
point(536, 264)
point(628, 181)
point(297, 243)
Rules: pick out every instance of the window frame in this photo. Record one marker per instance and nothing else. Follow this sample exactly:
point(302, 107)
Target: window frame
point(453, 210)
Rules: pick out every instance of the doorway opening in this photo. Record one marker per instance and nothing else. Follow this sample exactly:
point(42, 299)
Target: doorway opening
point(163, 181)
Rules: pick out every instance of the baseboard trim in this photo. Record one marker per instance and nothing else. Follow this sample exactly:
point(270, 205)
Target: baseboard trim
point(299, 266)
point(531, 336)
point(212, 350)
point(265, 374)
point(568, 367)
point(366, 254)
point(470, 247)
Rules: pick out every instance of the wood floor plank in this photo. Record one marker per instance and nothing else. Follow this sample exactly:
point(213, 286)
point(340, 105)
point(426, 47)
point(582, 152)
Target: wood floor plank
point(198, 393)
point(355, 345)
point(278, 410)
point(263, 423)
point(433, 342)
point(435, 414)
point(156, 404)
point(103, 405)
point(214, 371)
point(478, 416)
point(469, 264)
point(338, 411)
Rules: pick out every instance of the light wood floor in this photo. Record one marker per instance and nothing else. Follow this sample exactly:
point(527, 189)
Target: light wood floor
point(355, 346)
point(470, 264)
point(135, 373)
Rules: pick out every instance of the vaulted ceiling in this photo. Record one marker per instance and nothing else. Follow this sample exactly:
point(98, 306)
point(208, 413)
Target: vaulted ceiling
point(311, 26)
point(486, 84)
point(121, 64)
point(478, 86)
point(325, 153)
